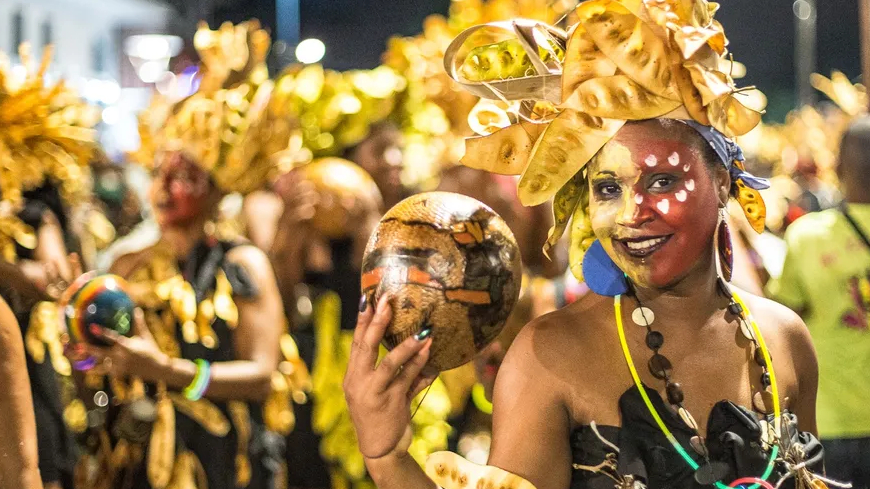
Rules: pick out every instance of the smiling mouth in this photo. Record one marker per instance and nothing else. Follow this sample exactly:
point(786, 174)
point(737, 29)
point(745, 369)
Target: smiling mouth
point(644, 246)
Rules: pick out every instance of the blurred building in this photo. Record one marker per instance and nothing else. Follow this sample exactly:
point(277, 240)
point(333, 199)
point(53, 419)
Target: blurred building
point(88, 38)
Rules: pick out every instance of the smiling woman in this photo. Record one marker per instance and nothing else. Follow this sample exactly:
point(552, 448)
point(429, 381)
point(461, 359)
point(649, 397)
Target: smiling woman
point(646, 215)
point(635, 148)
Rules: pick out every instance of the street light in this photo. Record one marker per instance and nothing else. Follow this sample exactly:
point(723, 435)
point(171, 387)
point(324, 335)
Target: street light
point(310, 51)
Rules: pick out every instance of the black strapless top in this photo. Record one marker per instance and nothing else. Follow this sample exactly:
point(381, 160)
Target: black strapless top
point(733, 441)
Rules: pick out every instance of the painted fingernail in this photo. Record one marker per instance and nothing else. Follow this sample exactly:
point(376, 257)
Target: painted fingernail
point(423, 334)
point(363, 303)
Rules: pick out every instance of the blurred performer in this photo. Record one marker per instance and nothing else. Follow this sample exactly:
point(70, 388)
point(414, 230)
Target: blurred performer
point(197, 386)
point(826, 278)
point(19, 466)
point(331, 207)
point(43, 157)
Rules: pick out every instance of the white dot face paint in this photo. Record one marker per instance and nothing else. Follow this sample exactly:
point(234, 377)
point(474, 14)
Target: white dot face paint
point(651, 160)
point(674, 159)
point(690, 185)
point(686, 168)
point(681, 195)
point(638, 199)
point(664, 205)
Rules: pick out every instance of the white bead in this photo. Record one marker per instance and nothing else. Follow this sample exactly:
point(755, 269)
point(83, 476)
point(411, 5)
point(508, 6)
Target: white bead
point(640, 313)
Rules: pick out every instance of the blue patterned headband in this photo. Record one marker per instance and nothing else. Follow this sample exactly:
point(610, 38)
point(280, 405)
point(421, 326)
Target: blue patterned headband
point(728, 151)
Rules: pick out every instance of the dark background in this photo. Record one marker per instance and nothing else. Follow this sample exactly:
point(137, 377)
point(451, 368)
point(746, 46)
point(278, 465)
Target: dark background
point(761, 32)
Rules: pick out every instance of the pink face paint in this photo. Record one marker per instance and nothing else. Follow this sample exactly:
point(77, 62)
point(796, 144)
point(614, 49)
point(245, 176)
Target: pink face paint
point(674, 159)
point(664, 205)
point(658, 204)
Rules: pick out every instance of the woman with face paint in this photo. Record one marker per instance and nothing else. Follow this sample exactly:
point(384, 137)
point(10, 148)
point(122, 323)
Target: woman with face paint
point(665, 375)
point(190, 387)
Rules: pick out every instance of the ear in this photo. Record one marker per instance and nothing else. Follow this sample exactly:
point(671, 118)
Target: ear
point(723, 185)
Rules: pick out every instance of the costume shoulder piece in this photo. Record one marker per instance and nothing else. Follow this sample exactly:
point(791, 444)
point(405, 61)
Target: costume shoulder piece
point(563, 94)
point(47, 134)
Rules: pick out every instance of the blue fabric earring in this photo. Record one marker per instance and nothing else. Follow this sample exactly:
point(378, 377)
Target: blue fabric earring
point(600, 273)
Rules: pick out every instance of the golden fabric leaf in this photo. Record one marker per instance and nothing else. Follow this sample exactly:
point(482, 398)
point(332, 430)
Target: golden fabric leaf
point(203, 412)
point(451, 471)
point(582, 238)
point(618, 97)
point(574, 193)
point(565, 146)
point(753, 205)
point(583, 61)
point(505, 151)
point(161, 448)
point(633, 47)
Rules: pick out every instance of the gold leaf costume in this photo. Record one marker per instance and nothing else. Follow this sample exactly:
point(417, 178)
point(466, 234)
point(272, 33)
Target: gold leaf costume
point(46, 135)
point(227, 129)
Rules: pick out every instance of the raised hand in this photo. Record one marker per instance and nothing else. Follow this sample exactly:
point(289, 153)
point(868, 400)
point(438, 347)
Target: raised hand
point(379, 395)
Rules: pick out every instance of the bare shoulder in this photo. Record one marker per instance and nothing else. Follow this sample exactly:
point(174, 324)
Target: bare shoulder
point(252, 259)
point(779, 322)
point(128, 263)
point(551, 344)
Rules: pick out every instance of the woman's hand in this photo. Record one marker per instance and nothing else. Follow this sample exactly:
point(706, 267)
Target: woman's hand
point(379, 396)
point(137, 355)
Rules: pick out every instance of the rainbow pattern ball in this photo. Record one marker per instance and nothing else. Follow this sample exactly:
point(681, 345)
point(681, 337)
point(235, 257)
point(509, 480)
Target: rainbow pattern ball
point(95, 303)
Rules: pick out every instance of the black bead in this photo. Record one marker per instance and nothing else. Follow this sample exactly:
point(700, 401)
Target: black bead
point(654, 340)
point(660, 366)
point(675, 393)
point(735, 309)
point(759, 357)
point(765, 380)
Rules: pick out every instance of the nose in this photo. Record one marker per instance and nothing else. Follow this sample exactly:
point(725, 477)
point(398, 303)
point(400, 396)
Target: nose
point(634, 210)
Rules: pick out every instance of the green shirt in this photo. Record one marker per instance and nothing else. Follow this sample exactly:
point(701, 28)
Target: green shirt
point(827, 275)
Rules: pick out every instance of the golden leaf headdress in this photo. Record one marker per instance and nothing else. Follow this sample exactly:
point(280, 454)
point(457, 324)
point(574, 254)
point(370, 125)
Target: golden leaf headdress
point(563, 94)
point(45, 133)
point(433, 112)
point(328, 111)
point(225, 126)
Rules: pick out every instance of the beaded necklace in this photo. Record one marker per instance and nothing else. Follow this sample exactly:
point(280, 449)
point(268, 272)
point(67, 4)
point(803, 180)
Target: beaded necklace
point(660, 367)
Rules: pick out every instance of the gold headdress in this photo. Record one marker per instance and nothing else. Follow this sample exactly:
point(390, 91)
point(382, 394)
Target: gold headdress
point(225, 126)
point(563, 95)
point(328, 111)
point(433, 112)
point(45, 133)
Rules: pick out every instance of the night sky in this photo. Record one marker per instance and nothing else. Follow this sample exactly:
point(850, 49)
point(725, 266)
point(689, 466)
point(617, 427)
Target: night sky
point(761, 34)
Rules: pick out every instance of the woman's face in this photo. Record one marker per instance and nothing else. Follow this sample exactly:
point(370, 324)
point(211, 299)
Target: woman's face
point(654, 202)
point(179, 190)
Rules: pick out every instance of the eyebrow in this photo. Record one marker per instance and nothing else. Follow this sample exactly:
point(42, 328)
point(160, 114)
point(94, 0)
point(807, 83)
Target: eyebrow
point(606, 172)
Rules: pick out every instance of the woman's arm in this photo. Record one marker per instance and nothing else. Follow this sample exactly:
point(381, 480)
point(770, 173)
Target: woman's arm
point(50, 261)
point(256, 340)
point(531, 424)
point(18, 457)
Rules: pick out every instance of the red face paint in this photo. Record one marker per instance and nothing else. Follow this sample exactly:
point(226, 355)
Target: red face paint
point(653, 204)
point(178, 190)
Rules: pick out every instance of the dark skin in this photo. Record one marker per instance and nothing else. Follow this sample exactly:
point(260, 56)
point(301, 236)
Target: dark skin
point(261, 318)
point(296, 246)
point(541, 393)
point(19, 467)
point(855, 162)
point(380, 154)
